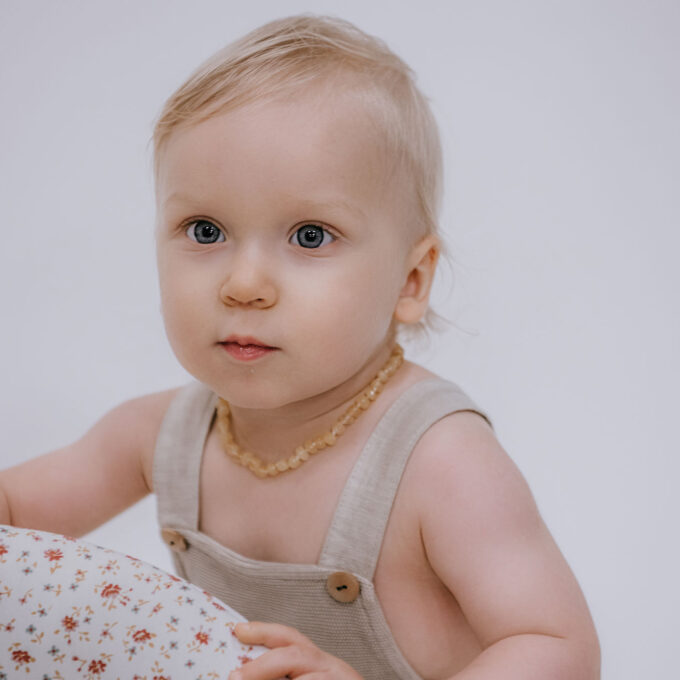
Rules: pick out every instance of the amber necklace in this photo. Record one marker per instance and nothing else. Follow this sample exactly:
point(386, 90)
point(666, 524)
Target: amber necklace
point(309, 448)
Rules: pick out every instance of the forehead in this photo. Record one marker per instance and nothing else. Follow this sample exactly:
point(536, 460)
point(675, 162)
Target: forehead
point(313, 147)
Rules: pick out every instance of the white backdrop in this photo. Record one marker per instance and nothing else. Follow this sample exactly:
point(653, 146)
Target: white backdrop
point(560, 125)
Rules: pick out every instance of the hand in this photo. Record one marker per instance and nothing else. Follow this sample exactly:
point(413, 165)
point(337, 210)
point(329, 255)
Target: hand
point(291, 655)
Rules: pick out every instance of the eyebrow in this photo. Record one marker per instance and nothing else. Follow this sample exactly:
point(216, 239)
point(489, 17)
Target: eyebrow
point(330, 203)
point(308, 204)
point(178, 197)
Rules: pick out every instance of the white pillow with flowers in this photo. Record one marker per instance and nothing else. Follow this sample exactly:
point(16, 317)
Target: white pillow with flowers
point(71, 610)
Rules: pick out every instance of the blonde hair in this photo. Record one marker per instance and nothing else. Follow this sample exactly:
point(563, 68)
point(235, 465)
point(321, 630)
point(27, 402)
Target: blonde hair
point(288, 54)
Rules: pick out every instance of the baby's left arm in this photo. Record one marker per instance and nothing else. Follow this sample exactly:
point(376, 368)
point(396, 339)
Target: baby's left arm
point(486, 541)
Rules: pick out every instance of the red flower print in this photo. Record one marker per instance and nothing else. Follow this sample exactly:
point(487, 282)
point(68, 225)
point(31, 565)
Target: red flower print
point(110, 590)
point(161, 677)
point(96, 667)
point(244, 659)
point(54, 554)
point(69, 623)
point(141, 635)
point(3, 549)
point(202, 638)
point(20, 656)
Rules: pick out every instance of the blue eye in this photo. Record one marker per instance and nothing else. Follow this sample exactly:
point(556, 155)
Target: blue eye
point(312, 236)
point(202, 231)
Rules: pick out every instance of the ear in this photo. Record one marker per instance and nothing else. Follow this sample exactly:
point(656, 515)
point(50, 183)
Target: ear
point(420, 268)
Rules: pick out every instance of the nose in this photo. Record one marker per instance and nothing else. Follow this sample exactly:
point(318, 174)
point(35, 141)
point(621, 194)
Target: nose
point(248, 283)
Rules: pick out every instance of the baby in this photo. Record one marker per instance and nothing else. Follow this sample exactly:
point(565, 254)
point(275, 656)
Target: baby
point(355, 506)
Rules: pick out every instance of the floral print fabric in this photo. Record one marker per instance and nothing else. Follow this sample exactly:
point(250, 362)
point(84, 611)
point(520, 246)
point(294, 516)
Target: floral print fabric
point(71, 610)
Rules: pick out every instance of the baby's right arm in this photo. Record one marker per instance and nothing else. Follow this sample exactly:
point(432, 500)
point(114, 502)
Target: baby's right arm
point(74, 489)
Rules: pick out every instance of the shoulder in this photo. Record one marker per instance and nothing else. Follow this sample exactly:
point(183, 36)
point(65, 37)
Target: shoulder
point(140, 419)
point(465, 484)
point(461, 438)
point(457, 441)
point(474, 507)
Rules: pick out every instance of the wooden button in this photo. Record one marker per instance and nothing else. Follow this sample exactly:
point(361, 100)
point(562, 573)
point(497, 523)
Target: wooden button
point(343, 587)
point(175, 540)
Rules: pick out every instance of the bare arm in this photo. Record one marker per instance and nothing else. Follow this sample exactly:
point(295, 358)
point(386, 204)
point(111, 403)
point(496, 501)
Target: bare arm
point(485, 540)
point(74, 489)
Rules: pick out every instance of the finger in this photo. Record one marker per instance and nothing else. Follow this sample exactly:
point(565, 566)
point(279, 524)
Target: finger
point(291, 661)
point(269, 634)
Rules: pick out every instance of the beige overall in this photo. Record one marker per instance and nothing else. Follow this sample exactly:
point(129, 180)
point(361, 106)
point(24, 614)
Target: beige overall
point(332, 602)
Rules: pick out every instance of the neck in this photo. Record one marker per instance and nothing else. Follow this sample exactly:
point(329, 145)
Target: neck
point(274, 433)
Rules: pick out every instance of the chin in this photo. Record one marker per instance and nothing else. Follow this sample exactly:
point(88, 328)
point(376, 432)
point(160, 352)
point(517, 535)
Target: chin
point(247, 393)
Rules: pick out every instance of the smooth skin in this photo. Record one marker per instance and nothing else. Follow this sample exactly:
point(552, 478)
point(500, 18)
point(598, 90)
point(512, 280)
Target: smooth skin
point(471, 582)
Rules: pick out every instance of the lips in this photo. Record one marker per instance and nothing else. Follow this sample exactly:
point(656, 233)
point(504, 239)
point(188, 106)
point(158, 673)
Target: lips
point(245, 341)
point(246, 348)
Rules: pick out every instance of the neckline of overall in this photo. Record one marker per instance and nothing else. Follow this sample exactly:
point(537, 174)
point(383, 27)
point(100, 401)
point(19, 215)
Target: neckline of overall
point(202, 436)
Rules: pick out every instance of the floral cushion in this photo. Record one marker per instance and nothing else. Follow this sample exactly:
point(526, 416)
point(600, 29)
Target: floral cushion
point(71, 610)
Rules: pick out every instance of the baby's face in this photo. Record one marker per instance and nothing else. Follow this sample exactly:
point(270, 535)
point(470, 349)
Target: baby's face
point(275, 222)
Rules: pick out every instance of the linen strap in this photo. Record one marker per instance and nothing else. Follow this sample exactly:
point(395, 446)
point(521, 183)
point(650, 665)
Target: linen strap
point(178, 454)
point(358, 526)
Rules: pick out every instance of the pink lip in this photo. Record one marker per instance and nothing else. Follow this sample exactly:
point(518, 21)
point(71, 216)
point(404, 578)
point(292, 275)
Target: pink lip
point(246, 348)
point(247, 340)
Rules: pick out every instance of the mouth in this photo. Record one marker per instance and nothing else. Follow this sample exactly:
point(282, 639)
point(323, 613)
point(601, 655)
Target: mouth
point(246, 348)
point(245, 341)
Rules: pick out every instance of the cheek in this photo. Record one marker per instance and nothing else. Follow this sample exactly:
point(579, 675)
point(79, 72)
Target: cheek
point(184, 320)
point(357, 308)
point(182, 301)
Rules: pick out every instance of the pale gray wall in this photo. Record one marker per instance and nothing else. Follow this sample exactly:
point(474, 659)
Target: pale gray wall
point(560, 123)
